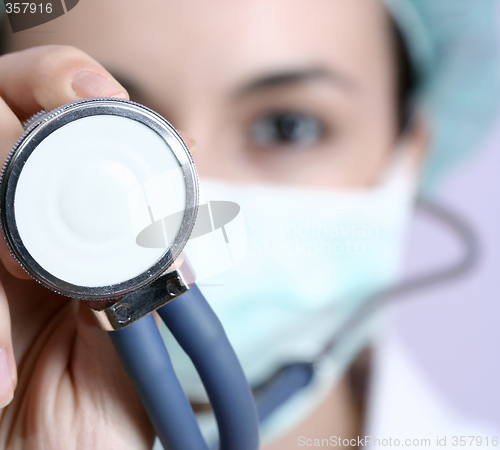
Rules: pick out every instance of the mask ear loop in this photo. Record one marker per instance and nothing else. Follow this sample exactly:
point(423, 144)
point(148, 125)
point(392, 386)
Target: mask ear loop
point(291, 378)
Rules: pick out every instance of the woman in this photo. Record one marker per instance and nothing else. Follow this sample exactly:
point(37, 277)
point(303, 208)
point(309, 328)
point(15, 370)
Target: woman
point(293, 105)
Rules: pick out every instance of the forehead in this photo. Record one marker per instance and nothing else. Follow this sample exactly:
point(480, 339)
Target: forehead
point(223, 40)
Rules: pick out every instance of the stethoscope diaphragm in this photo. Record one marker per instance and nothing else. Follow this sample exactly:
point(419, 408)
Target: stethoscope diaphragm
point(98, 198)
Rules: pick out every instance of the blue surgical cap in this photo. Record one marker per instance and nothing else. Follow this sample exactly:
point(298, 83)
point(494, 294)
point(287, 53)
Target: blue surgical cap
point(454, 47)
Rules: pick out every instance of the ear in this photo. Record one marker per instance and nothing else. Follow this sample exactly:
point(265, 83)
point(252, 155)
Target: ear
point(417, 138)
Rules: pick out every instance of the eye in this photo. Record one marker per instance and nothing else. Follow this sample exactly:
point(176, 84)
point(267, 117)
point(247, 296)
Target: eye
point(287, 129)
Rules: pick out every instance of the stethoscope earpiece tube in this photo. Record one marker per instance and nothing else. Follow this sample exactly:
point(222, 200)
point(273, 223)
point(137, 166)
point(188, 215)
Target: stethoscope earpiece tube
point(143, 355)
point(289, 380)
point(199, 332)
point(294, 376)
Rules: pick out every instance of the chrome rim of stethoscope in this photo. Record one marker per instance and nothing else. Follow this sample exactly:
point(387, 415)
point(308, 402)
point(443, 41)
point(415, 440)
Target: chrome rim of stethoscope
point(39, 128)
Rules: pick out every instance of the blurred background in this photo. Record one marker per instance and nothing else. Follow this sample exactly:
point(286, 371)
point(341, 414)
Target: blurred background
point(452, 331)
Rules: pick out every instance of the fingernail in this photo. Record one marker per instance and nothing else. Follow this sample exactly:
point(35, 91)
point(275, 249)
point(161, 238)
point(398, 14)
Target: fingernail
point(6, 381)
point(87, 84)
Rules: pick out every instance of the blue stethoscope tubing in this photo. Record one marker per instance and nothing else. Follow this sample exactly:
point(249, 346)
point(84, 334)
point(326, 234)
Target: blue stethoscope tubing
point(199, 332)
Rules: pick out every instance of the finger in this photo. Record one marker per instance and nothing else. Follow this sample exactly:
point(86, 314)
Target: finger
point(108, 384)
point(8, 373)
point(50, 76)
point(44, 78)
point(10, 131)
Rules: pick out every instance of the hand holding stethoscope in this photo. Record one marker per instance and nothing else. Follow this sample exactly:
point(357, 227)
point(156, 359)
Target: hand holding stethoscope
point(98, 199)
point(71, 387)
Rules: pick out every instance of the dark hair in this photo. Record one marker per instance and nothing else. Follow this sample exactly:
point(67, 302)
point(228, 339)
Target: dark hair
point(406, 77)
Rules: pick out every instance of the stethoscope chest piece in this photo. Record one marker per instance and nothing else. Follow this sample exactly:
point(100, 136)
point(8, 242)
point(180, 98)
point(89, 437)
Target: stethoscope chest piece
point(98, 198)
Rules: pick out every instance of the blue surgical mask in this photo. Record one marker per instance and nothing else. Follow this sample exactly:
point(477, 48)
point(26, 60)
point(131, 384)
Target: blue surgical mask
point(313, 256)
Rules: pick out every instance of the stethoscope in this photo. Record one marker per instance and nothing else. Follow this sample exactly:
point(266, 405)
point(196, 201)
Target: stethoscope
point(98, 199)
point(72, 156)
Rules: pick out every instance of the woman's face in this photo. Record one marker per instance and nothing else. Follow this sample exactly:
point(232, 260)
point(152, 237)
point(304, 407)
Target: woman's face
point(291, 91)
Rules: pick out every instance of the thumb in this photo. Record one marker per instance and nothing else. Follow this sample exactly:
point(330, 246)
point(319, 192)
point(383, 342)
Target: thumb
point(8, 372)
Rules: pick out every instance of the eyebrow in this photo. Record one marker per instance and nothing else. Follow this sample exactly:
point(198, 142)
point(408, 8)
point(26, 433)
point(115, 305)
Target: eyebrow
point(290, 77)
